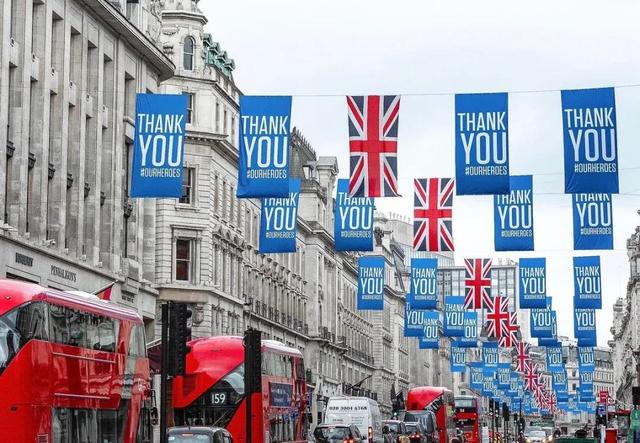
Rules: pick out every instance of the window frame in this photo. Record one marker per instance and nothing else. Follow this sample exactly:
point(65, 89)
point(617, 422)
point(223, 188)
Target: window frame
point(188, 56)
point(190, 261)
point(191, 106)
point(190, 196)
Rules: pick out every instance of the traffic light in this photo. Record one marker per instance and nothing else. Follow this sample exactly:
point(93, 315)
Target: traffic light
point(505, 412)
point(252, 361)
point(179, 334)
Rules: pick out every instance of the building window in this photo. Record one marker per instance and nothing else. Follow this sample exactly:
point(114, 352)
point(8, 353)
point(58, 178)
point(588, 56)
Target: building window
point(191, 99)
point(189, 47)
point(188, 183)
point(184, 255)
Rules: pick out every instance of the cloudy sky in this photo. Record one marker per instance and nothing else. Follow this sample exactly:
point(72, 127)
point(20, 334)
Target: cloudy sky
point(320, 51)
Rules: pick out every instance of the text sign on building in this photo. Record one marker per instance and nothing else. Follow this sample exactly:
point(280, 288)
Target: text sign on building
point(278, 221)
point(513, 216)
point(423, 286)
point(371, 283)
point(353, 226)
point(158, 150)
point(482, 143)
point(533, 283)
point(265, 124)
point(592, 221)
point(587, 282)
point(453, 325)
point(590, 140)
point(430, 326)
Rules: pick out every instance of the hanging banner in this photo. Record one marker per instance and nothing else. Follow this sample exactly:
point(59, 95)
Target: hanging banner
point(541, 322)
point(559, 382)
point(554, 359)
point(430, 326)
point(514, 380)
point(482, 143)
point(586, 359)
point(504, 376)
point(553, 340)
point(592, 221)
point(476, 375)
point(373, 145)
point(586, 385)
point(353, 225)
point(158, 150)
point(453, 325)
point(371, 283)
point(263, 163)
point(278, 218)
point(413, 321)
point(590, 140)
point(584, 322)
point(587, 283)
point(488, 386)
point(490, 356)
point(513, 216)
point(458, 358)
point(432, 214)
point(470, 338)
point(423, 287)
point(477, 283)
point(532, 274)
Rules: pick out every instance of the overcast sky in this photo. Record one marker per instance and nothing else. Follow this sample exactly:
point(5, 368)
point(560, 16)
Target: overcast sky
point(320, 51)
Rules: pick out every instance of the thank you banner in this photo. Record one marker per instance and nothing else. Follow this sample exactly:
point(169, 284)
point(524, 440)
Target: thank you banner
point(371, 283)
point(586, 359)
point(482, 143)
point(158, 150)
point(470, 337)
point(423, 287)
point(532, 274)
point(554, 359)
point(413, 321)
point(430, 326)
point(490, 356)
point(278, 221)
point(353, 226)
point(476, 375)
point(453, 325)
point(584, 323)
point(587, 282)
point(590, 140)
point(592, 221)
point(513, 216)
point(541, 322)
point(458, 358)
point(263, 169)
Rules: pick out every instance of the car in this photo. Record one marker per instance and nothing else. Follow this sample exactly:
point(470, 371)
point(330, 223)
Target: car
point(428, 420)
point(330, 433)
point(198, 434)
point(417, 432)
point(536, 437)
point(397, 430)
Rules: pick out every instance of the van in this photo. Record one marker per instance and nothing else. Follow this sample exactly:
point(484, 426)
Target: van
point(362, 412)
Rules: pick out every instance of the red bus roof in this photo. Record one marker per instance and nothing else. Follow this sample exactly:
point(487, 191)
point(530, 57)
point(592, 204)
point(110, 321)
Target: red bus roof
point(14, 293)
point(421, 397)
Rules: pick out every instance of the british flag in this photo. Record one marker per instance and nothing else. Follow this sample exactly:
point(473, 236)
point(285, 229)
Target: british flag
point(373, 145)
point(531, 376)
point(477, 283)
point(497, 316)
point(522, 356)
point(511, 332)
point(432, 213)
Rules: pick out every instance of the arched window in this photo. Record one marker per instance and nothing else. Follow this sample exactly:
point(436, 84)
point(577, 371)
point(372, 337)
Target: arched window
point(188, 50)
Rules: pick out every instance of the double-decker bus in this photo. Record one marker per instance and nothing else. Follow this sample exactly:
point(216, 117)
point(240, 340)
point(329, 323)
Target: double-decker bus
point(72, 368)
point(211, 393)
point(468, 413)
point(439, 400)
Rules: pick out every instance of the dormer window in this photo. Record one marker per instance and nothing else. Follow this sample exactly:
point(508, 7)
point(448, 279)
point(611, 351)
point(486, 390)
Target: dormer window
point(188, 51)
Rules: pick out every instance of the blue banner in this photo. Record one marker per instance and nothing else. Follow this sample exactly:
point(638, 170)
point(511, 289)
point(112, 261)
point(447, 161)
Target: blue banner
point(353, 226)
point(414, 321)
point(553, 340)
point(453, 325)
point(586, 359)
point(430, 326)
point(554, 359)
point(371, 282)
point(592, 221)
point(488, 387)
point(587, 283)
point(470, 337)
point(559, 383)
point(504, 376)
point(423, 286)
point(586, 384)
point(280, 395)
point(158, 150)
point(590, 141)
point(482, 144)
point(476, 375)
point(584, 323)
point(513, 385)
point(533, 283)
point(513, 216)
point(458, 358)
point(278, 221)
point(541, 322)
point(490, 356)
point(263, 166)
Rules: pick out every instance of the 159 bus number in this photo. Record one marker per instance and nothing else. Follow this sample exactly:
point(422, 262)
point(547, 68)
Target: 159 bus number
point(219, 398)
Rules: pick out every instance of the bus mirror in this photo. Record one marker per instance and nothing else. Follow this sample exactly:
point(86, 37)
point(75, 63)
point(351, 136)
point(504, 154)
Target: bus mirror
point(154, 416)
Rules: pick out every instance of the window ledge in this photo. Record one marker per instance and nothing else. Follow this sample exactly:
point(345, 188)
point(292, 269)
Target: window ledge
point(187, 207)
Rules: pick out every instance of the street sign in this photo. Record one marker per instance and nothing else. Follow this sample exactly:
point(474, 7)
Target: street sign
point(612, 401)
point(603, 396)
point(600, 410)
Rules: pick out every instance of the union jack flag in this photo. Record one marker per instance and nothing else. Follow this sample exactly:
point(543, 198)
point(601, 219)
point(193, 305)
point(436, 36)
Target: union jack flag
point(477, 283)
point(531, 376)
point(432, 212)
point(522, 357)
point(511, 331)
point(373, 144)
point(497, 316)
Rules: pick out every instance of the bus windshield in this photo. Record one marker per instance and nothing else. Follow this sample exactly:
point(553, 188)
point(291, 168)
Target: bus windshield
point(17, 327)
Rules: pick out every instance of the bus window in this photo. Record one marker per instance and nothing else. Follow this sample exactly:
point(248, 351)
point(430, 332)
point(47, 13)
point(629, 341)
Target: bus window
point(77, 328)
point(59, 324)
point(136, 342)
point(107, 330)
point(19, 326)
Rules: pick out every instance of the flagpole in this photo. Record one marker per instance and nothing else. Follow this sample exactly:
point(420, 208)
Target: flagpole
point(97, 291)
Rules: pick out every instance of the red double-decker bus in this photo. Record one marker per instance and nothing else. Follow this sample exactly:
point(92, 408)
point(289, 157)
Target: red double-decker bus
point(439, 400)
point(72, 368)
point(211, 393)
point(468, 413)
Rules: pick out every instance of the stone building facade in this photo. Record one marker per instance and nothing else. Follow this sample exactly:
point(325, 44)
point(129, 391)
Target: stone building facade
point(70, 71)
